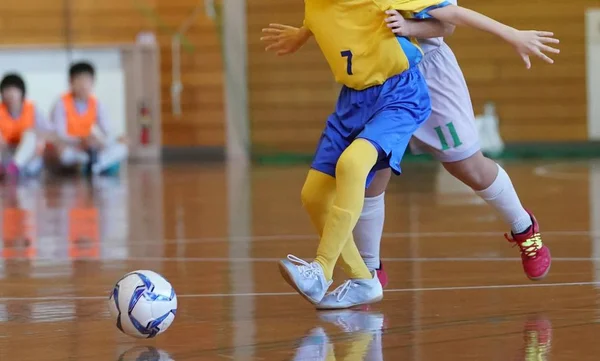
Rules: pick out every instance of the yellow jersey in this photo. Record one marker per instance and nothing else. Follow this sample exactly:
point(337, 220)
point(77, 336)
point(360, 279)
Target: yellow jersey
point(359, 47)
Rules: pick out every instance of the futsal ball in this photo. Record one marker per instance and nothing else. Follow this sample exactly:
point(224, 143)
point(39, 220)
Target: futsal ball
point(143, 304)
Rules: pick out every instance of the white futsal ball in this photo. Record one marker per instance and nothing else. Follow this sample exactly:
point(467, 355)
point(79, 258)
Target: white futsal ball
point(143, 304)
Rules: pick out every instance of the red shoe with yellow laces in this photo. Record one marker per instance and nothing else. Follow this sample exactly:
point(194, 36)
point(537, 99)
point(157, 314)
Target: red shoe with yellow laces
point(535, 255)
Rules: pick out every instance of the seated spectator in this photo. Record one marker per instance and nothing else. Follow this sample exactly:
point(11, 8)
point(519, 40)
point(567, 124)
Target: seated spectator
point(83, 137)
point(23, 130)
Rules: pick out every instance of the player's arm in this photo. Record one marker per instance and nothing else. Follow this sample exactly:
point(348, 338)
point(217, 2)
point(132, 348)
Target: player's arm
point(42, 124)
point(59, 120)
point(526, 43)
point(102, 132)
point(423, 29)
point(285, 39)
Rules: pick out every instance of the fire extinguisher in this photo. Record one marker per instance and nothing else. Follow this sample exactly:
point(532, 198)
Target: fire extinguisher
point(144, 124)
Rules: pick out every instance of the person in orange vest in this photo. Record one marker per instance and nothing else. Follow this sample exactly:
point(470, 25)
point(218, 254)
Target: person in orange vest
point(22, 129)
point(82, 128)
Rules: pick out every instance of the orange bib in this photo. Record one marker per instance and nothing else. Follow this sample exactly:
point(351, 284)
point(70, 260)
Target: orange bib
point(80, 125)
point(12, 129)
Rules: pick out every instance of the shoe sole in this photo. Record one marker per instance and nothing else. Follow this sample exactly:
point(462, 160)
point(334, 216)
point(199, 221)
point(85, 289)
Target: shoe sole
point(288, 278)
point(374, 300)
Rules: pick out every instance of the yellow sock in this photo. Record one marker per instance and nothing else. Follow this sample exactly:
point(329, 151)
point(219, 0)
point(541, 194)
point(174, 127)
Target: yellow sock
point(351, 173)
point(352, 262)
point(317, 195)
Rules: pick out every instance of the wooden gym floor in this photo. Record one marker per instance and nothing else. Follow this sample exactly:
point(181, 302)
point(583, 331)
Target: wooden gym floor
point(456, 287)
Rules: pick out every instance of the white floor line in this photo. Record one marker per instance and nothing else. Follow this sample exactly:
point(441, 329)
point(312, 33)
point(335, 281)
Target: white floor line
point(271, 294)
point(551, 171)
point(300, 237)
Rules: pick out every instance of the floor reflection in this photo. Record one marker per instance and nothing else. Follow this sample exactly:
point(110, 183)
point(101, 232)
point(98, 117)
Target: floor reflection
point(362, 341)
point(144, 353)
point(77, 219)
point(537, 336)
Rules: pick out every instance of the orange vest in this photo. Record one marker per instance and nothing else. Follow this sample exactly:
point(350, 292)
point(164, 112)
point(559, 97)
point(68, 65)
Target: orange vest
point(80, 125)
point(12, 129)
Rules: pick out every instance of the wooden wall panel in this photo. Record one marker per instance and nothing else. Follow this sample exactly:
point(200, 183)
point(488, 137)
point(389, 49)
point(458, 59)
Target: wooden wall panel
point(291, 96)
point(119, 21)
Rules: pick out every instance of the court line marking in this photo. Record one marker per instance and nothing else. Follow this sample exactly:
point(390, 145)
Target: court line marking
point(550, 171)
point(300, 237)
point(271, 294)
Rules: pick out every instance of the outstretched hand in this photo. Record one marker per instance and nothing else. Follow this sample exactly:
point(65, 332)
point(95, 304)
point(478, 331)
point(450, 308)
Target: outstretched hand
point(532, 42)
point(283, 39)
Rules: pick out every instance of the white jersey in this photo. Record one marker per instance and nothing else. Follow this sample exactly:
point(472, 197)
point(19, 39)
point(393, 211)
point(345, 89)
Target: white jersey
point(431, 44)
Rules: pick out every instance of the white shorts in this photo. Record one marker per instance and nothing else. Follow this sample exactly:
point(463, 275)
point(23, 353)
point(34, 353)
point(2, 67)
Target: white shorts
point(450, 133)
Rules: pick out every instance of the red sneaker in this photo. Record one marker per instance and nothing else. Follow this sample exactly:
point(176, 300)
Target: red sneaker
point(535, 255)
point(382, 275)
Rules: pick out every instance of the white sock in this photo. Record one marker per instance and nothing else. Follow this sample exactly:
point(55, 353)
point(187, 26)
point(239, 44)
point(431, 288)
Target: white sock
point(502, 196)
point(26, 149)
point(368, 230)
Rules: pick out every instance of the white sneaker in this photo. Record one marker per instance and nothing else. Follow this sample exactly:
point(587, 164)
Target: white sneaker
point(354, 292)
point(306, 278)
point(355, 321)
point(313, 347)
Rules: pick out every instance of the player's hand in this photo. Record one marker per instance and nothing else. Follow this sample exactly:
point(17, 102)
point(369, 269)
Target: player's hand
point(283, 39)
point(397, 23)
point(533, 42)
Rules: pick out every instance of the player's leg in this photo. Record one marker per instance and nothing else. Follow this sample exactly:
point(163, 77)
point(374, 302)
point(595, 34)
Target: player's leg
point(403, 104)
point(24, 153)
point(318, 194)
point(353, 167)
point(333, 157)
point(5, 156)
point(34, 166)
point(369, 229)
point(451, 136)
point(111, 155)
point(491, 182)
point(313, 279)
point(70, 155)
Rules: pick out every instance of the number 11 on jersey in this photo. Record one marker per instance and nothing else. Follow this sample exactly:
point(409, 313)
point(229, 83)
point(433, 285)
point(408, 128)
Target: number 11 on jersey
point(348, 55)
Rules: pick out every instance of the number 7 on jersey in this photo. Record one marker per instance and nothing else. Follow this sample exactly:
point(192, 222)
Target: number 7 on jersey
point(348, 55)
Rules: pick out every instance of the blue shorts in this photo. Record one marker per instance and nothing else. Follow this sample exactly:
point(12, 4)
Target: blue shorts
point(386, 115)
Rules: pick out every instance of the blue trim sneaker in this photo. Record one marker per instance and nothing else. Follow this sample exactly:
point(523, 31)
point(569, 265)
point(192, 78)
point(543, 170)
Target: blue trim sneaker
point(352, 293)
point(306, 278)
